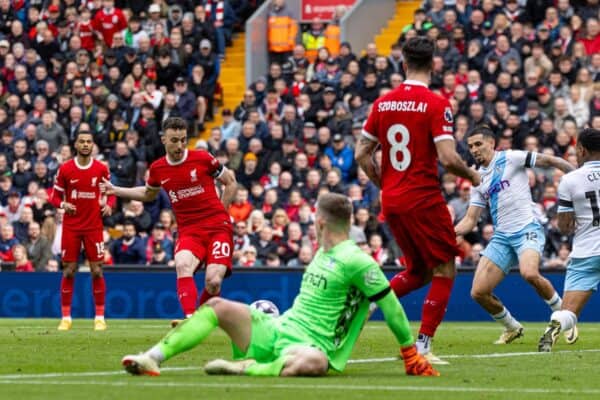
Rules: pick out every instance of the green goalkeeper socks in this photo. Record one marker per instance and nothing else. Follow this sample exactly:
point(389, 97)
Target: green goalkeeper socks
point(189, 333)
point(266, 369)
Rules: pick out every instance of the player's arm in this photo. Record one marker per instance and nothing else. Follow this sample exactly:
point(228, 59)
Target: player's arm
point(546, 161)
point(395, 317)
point(363, 154)
point(468, 223)
point(141, 193)
point(566, 212)
point(453, 163)
point(227, 179)
point(57, 196)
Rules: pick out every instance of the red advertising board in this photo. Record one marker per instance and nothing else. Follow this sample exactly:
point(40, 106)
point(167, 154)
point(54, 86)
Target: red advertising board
point(322, 8)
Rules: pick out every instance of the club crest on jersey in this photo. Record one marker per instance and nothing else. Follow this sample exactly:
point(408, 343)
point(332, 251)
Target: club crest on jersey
point(94, 181)
point(194, 175)
point(74, 193)
point(448, 115)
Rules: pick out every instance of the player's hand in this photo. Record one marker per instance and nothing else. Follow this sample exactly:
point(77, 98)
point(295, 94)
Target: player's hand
point(106, 210)
point(475, 178)
point(106, 187)
point(415, 363)
point(69, 208)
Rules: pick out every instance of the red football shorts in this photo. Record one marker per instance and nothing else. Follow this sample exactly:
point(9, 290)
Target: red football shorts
point(210, 247)
point(426, 236)
point(93, 244)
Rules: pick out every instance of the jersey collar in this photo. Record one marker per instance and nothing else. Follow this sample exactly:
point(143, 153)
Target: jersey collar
point(185, 155)
point(83, 166)
point(414, 83)
point(486, 169)
point(592, 163)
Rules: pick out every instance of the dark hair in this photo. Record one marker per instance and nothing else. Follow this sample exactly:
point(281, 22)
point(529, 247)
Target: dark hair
point(337, 209)
point(84, 132)
point(175, 123)
point(590, 139)
point(484, 130)
point(418, 53)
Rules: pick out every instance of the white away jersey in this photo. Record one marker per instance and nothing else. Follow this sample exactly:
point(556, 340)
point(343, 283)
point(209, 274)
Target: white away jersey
point(505, 187)
point(579, 192)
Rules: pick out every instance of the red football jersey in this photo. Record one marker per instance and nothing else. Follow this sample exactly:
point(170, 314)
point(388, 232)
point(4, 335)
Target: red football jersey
point(109, 24)
point(190, 184)
point(80, 186)
point(407, 122)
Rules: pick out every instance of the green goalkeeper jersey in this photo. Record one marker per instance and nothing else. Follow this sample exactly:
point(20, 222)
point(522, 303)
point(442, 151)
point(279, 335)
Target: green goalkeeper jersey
point(333, 302)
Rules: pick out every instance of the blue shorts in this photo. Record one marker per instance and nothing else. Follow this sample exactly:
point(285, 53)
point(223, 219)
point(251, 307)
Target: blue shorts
point(583, 274)
point(505, 249)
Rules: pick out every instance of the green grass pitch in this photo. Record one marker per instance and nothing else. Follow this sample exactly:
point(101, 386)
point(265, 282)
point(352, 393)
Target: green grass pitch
point(38, 362)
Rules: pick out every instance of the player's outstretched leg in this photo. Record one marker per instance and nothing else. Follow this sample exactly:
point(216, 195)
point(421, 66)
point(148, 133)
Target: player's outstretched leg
point(487, 276)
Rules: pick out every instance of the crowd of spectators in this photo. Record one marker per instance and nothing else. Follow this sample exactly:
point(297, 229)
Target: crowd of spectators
point(529, 69)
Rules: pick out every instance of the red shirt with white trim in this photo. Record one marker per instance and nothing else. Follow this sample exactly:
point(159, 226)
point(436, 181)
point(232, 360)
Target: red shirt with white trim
point(407, 122)
point(190, 184)
point(79, 185)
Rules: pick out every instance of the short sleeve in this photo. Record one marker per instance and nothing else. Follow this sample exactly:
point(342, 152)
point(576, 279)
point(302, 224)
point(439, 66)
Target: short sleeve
point(59, 181)
point(153, 180)
point(442, 122)
point(522, 158)
point(369, 278)
point(370, 127)
point(105, 172)
point(215, 169)
point(477, 198)
point(565, 198)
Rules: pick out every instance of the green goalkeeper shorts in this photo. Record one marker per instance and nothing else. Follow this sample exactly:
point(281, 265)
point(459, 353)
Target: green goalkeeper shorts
point(268, 341)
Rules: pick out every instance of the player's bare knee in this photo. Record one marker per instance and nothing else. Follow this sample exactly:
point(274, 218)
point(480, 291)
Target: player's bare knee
point(69, 270)
point(532, 276)
point(184, 268)
point(479, 295)
point(447, 270)
point(214, 302)
point(213, 285)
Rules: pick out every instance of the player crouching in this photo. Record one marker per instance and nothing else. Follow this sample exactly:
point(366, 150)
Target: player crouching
point(309, 338)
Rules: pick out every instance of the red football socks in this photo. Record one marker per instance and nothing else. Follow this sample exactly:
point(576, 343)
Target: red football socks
point(204, 296)
point(404, 282)
point(99, 290)
point(188, 294)
point(434, 307)
point(66, 296)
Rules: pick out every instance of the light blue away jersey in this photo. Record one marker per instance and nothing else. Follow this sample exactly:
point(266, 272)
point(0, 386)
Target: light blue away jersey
point(505, 188)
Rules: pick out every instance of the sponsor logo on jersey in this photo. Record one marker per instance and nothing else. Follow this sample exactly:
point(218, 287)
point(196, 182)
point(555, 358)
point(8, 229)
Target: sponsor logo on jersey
point(165, 181)
point(497, 188)
point(73, 180)
point(413, 106)
point(185, 193)
point(316, 280)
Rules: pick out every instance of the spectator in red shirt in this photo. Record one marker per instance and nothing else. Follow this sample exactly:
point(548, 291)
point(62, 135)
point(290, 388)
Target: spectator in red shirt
point(22, 263)
point(108, 21)
point(592, 37)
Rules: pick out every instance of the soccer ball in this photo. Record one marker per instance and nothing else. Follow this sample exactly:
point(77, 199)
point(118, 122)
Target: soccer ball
point(266, 306)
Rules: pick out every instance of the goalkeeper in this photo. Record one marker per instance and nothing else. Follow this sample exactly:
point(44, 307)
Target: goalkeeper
point(320, 329)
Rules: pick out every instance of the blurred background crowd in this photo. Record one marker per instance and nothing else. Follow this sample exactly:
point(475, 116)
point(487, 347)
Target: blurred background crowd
point(530, 69)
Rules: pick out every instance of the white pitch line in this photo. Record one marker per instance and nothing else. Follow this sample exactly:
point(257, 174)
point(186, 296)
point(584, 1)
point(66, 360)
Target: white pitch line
point(289, 386)
point(356, 361)
point(489, 355)
point(83, 374)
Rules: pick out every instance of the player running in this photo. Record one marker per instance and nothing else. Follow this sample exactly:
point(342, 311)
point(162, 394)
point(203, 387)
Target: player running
point(518, 236)
point(320, 329)
point(414, 127)
point(77, 192)
point(204, 227)
point(579, 212)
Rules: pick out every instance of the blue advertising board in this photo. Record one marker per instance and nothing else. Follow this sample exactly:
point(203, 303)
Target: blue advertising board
point(152, 295)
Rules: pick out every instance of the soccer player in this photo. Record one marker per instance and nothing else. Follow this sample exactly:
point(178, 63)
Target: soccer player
point(77, 192)
point(320, 329)
point(414, 127)
point(205, 228)
point(579, 212)
point(518, 236)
